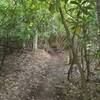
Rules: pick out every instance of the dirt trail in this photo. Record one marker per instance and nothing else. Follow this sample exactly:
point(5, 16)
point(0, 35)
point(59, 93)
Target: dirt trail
point(54, 75)
point(33, 77)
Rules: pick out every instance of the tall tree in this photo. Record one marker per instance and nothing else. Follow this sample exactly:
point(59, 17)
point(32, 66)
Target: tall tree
point(98, 11)
point(98, 16)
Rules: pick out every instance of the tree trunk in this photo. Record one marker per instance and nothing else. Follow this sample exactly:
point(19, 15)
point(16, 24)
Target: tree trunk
point(98, 16)
point(35, 43)
point(85, 93)
point(98, 12)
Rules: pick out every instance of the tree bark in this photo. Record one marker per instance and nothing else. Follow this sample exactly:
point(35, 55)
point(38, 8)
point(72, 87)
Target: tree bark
point(85, 93)
point(98, 12)
point(35, 43)
point(98, 16)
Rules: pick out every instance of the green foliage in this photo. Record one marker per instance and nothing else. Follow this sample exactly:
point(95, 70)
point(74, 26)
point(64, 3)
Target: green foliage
point(11, 22)
point(22, 19)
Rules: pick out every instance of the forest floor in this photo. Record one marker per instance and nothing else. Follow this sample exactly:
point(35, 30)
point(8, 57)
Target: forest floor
point(39, 76)
point(32, 76)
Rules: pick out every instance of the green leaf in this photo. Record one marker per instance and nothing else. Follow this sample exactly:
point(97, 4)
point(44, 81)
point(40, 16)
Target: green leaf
point(74, 2)
point(84, 2)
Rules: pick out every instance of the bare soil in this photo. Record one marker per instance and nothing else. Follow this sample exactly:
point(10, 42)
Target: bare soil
point(30, 76)
point(39, 76)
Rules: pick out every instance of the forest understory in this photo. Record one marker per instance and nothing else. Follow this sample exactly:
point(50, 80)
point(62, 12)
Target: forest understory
point(49, 49)
point(43, 76)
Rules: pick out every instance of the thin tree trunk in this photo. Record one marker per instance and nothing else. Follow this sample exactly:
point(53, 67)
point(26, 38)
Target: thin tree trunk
point(98, 12)
point(65, 25)
point(35, 43)
point(87, 63)
point(3, 57)
point(98, 16)
point(83, 80)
